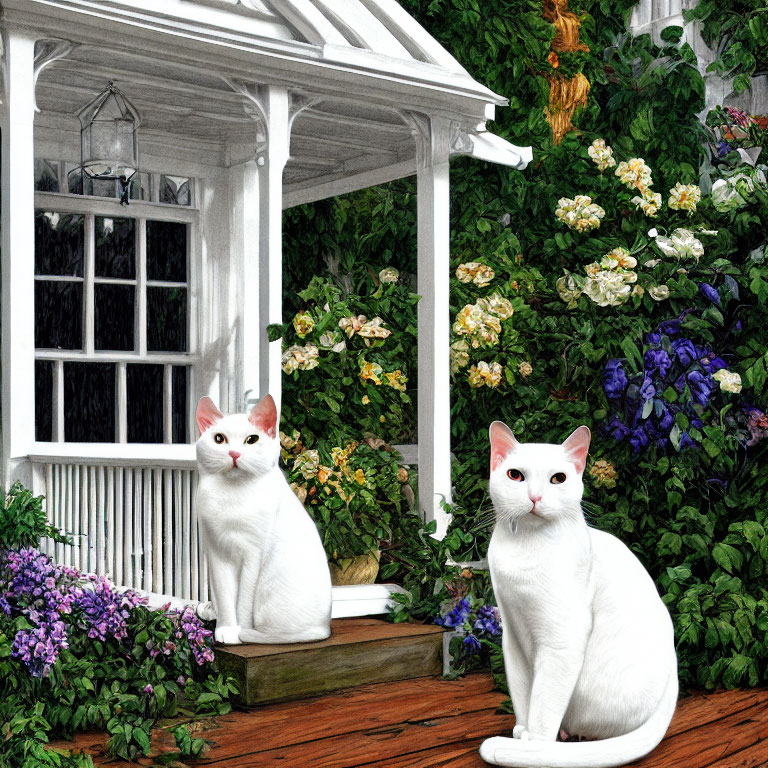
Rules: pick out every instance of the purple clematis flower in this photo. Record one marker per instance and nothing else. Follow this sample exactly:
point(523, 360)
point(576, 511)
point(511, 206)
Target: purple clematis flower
point(708, 292)
point(657, 360)
point(614, 379)
point(685, 350)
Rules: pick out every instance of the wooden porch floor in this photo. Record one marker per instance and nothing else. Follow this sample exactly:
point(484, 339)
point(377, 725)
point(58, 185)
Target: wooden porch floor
point(428, 722)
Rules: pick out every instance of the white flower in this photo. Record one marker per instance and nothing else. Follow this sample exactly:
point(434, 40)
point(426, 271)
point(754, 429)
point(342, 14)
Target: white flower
point(601, 154)
point(635, 174)
point(729, 382)
point(389, 275)
point(608, 289)
point(653, 232)
point(658, 292)
point(580, 213)
point(681, 244)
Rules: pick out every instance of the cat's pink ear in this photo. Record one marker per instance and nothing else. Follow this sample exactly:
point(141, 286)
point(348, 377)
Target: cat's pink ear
point(576, 446)
point(263, 416)
point(503, 442)
point(207, 414)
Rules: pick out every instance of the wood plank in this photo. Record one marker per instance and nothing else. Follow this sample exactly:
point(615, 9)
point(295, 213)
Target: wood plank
point(704, 707)
point(755, 756)
point(701, 747)
point(357, 749)
point(464, 755)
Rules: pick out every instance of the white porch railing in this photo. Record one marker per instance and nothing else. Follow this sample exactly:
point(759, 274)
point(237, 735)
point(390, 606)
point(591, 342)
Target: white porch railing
point(135, 524)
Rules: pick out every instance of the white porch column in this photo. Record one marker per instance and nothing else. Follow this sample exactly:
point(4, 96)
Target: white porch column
point(18, 258)
point(433, 403)
point(275, 107)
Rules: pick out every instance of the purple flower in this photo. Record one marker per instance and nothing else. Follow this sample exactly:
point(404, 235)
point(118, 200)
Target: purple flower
point(666, 420)
point(685, 440)
point(638, 439)
point(712, 363)
point(700, 386)
point(487, 620)
point(617, 429)
point(654, 337)
point(471, 644)
point(647, 390)
point(723, 148)
point(657, 359)
point(671, 327)
point(456, 616)
point(708, 292)
point(149, 689)
point(684, 350)
point(614, 379)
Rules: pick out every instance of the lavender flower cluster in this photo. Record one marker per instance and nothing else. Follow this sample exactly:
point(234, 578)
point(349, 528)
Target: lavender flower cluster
point(55, 601)
point(475, 619)
point(640, 412)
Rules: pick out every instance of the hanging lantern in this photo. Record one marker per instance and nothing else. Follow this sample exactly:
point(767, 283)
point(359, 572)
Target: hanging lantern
point(108, 146)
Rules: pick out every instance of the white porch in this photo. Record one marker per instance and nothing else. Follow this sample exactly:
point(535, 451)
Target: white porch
point(255, 106)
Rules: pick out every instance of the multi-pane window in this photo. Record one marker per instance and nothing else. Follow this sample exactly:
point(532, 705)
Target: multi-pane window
point(112, 318)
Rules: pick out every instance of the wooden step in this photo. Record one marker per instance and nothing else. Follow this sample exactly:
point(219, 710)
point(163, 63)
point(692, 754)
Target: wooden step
point(358, 652)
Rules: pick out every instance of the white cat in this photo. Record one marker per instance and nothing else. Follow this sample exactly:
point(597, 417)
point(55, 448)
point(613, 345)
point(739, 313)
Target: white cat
point(588, 644)
point(268, 572)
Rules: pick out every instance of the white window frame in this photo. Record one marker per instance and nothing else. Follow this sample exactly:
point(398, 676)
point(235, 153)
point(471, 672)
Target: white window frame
point(140, 210)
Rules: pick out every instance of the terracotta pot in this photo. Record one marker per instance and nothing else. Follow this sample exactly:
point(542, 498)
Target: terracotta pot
point(362, 569)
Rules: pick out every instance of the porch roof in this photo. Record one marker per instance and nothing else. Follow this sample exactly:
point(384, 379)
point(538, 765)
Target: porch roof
point(360, 65)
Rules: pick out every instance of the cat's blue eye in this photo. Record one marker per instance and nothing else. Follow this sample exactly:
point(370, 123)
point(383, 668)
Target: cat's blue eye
point(557, 478)
point(251, 440)
point(219, 438)
point(516, 475)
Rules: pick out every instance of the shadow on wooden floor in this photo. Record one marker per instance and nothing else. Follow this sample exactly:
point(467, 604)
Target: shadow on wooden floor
point(427, 722)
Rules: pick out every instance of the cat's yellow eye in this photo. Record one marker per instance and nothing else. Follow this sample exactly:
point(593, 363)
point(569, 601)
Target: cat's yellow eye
point(516, 475)
point(219, 438)
point(557, 478)
point(251, 440)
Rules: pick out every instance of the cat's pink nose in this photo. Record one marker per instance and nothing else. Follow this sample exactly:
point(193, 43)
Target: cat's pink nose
point(235, 455)
point(534, 499)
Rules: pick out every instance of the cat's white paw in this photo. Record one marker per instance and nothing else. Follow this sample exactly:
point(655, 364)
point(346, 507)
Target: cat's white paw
point(524, 735)
point(518, 730)
point(227, 635)
point(206, 611)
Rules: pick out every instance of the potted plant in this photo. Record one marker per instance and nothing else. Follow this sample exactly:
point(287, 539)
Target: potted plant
point(353, 492)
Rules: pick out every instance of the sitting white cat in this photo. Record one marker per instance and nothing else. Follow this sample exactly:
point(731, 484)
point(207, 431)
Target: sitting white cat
point(268, 572)
point(588, 644)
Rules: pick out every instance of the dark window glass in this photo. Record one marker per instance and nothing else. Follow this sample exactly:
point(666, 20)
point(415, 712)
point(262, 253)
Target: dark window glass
point(113, 316)
point(166, 319)
point(175, 190)
point(46, 176)
point(43, 400)
point(59, 241)
point(101, 187)
point(140, 187)
point(115, 247)
point(89, 402)
point(167, 251)
point(179, 403)
point(58, 314)
point(144, 385)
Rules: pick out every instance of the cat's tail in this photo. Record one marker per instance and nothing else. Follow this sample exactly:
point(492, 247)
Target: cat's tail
point(604, 753)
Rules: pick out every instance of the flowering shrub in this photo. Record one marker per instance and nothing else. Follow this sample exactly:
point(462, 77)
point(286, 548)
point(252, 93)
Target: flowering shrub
point(476, 625)
point(75, 653)
point(353, 492)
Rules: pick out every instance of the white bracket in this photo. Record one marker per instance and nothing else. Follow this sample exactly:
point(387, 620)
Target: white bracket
point(48, 50)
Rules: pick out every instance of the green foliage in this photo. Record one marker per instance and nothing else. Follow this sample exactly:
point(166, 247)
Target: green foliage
point(23, 521)
point(738, 30)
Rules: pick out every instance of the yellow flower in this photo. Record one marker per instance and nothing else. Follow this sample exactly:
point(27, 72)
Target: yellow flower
point(482, 328)
point(570, 287)
point(360, 476)
point(402, 474)
point(525, 369)
point(459, 355)
point(684, 197)
point(373, 329)
point(729, 382)
point(366, 400)
point(635, 173)
point(323, 473)
point(396, 380)
point(658, 292)
point(303, 323)
point(649, 203)
point(351, 325)
point(300, 358)
point(604, 473)
point(485, 374)
point(300, 491)
point(580, 213)
point(475, 272)
point(496, 305)
point(382, 418)
point(371, 372)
